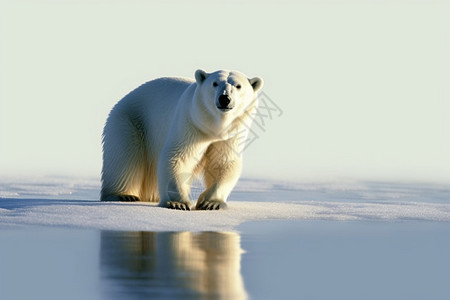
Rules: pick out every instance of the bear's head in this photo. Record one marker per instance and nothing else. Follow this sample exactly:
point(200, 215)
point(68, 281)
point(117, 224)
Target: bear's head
point(227, 90)
point(226, 95)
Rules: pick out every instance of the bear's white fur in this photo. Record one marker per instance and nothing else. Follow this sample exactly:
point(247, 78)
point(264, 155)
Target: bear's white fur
point(161, 135)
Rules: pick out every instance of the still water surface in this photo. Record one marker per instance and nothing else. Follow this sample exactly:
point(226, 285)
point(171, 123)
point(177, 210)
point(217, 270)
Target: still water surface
point(266, 260)
point(168, 265)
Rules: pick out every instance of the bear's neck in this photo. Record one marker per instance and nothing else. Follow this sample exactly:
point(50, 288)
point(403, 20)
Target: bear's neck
point(212, 123)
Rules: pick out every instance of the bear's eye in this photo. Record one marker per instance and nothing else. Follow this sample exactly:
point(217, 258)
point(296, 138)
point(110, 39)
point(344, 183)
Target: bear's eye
point(238, 86)
point(215, 84)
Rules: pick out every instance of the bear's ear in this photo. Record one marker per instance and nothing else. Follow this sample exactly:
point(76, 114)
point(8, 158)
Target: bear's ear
point(200, 76)
point(256, 83)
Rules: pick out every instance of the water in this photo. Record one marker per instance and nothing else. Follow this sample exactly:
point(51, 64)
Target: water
point(264, 260)
point(169, 265)
point(346, 260)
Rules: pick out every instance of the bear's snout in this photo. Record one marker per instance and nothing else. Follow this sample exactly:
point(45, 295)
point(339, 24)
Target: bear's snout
point(224, 102)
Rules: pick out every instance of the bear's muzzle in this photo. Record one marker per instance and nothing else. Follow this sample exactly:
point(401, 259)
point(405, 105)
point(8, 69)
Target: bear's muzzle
point(224, 103)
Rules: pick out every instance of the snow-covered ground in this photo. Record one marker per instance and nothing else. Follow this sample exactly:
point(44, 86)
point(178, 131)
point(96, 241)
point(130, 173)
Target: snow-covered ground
point(73, 202)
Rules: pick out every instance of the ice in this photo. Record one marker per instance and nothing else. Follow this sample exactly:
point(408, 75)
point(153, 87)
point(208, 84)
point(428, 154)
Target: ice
point(73, 203)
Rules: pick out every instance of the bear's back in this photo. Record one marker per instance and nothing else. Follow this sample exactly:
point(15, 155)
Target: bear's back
point(152, 107)
point(154, 98)
point(161, 90)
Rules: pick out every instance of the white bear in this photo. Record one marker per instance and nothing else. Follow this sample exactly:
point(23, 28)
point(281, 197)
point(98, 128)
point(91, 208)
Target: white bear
point(169, 130)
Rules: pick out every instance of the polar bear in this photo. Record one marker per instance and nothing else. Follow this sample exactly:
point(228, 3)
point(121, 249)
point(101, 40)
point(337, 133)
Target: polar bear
point(171, 130)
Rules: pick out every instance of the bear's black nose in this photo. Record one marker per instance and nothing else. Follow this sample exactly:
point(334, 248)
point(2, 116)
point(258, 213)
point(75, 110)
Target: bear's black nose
point(224, 100)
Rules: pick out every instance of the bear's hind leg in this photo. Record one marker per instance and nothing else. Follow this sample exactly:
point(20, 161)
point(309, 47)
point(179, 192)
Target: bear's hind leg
point(149, 185)
point(124, 186)
point(124, 160)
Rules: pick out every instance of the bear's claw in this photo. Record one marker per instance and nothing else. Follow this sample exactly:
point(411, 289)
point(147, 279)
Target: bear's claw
point(128, 198)
point(121, 198)
point(211, 205)
point(178, 205)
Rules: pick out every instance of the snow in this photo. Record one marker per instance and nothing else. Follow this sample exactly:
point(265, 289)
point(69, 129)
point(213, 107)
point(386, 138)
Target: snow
point(73, 203)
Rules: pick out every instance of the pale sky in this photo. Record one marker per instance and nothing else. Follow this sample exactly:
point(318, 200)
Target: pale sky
point(364, 86)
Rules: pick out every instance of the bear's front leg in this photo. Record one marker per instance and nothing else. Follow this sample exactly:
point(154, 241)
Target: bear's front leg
point(174, 191)
point(174, 177)
point(220, 180)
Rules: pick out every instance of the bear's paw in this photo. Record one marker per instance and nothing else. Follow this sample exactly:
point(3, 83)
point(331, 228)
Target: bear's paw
point(178, 205)
point(211, 205)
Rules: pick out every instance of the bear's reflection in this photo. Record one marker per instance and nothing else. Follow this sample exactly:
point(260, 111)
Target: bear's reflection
point(169, 265)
